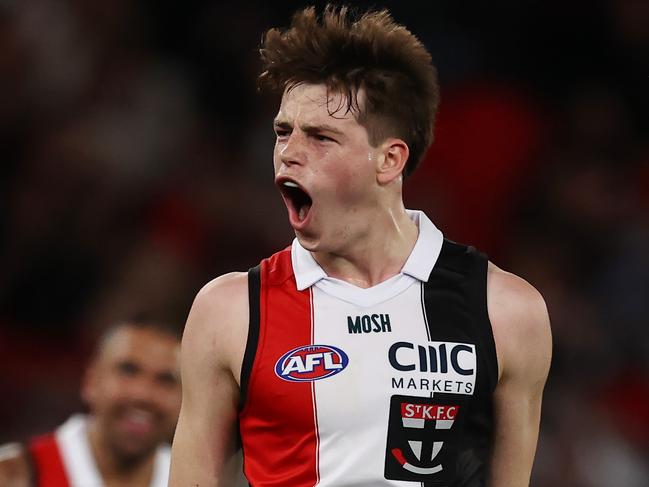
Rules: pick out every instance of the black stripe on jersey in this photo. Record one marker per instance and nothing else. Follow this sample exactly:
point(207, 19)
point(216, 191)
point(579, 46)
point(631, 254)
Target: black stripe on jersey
point(254, 287)
point(428, 330)
point(455, 298)
point(423, 310)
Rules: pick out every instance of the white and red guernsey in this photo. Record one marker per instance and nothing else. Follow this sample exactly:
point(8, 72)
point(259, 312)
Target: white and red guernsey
point(386, 386)
point(64, 458)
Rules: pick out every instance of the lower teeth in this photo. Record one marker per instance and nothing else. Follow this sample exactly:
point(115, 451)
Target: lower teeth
point(302, 213)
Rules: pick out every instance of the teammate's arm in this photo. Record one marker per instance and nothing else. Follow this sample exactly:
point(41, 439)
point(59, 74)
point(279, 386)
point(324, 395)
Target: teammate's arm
point(204, 451)
point(14, 468)
point(521, 329)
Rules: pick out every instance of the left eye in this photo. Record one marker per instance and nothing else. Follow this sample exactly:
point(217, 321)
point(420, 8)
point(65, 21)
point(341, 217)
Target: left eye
point(128, 369)
point(323, 138)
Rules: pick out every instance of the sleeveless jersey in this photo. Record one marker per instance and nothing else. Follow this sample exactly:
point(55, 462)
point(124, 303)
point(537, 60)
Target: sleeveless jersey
point(386, 386)
point(64, 459)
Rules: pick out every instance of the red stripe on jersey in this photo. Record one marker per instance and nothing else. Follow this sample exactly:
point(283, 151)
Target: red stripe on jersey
point(280, 447)
point(48, 464)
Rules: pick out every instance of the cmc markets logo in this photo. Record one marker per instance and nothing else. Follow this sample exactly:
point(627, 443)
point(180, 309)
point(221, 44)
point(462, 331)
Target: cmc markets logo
point(311, 362)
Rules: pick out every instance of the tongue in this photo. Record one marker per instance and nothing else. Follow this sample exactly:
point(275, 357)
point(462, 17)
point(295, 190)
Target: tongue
point(302, 213)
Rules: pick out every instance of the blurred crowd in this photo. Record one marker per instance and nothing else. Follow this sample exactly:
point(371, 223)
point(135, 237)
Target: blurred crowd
point(136, 166)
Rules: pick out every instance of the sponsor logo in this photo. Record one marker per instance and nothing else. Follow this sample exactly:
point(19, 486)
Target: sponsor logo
point(435, 357)
point(421, 446)
point(375, 323)
point(433, 385)
point(434, 367)
point(311, 362)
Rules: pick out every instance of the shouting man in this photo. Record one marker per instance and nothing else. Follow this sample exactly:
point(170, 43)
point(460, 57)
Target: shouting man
point(372, 351)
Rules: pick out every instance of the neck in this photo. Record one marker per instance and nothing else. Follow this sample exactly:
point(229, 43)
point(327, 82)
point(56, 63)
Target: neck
point(377, 254)
point(113, 469)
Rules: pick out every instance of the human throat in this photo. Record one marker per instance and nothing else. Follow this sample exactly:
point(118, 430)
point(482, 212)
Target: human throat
point(374, 257)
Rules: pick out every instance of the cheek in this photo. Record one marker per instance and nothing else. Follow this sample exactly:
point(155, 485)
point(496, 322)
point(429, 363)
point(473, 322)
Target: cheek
point(113, 390)
point(102, 395)
point(350, 184)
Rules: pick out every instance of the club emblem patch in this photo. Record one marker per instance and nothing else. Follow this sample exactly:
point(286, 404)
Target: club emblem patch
point(421, 444)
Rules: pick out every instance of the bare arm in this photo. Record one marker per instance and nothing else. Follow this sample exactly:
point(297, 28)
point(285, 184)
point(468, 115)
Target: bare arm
point(14, 468)
point(204, 451)
point(521, 329)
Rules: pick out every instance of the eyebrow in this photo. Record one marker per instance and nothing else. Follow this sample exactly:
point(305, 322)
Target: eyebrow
point(310, 129)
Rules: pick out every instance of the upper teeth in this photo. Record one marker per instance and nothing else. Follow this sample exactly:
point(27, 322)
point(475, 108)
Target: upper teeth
point(290, 184)
point(139, 416)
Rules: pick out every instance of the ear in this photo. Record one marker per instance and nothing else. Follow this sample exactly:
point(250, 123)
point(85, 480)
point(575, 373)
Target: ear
point(392, 161)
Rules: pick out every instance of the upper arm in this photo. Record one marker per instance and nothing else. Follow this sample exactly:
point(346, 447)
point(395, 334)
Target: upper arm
point(204, 447)
point(521, 328)
point(14, 468)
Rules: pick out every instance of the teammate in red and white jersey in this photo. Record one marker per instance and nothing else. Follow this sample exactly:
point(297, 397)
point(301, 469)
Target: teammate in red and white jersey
point(132, 390)
point(372, 351)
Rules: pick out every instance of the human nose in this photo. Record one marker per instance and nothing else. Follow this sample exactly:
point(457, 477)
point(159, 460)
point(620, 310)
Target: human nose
point(292, 150)
point(142, 389)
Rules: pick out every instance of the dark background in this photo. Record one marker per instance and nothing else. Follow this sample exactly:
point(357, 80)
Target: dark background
point(136, 166)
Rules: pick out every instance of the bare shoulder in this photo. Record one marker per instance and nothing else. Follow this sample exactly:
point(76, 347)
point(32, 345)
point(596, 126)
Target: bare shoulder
point(205, 446)
point(521, 325)
point(225, 294)
point(217, 325)
point(14, 467)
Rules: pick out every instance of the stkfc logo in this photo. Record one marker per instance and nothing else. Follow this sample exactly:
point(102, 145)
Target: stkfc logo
point(311, 362)
point(417, 414)
point(421, 444)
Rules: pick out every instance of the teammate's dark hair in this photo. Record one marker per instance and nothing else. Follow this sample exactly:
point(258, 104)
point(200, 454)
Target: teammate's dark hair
point(139, 322)
point(348, 52)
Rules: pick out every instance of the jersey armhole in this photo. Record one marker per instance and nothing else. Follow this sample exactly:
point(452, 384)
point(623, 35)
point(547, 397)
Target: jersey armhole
point(488, 339)
point(254, 286)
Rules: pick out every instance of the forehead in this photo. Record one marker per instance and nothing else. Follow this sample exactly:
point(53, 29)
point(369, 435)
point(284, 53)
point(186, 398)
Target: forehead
point(143, 345)
point(315, 103)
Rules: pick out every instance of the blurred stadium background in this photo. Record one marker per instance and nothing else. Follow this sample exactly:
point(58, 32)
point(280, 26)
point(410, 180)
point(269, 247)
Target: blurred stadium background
point(136, 166)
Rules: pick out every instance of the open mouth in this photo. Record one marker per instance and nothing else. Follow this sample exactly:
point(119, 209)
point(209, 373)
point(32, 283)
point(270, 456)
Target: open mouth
point(137, 421)
point(297, 200)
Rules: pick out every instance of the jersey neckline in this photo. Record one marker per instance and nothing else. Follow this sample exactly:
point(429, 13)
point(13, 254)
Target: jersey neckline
point(417, 267)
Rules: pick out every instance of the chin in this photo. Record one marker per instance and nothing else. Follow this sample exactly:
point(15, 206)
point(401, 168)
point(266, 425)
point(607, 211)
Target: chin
point(309, 242)
point(332, 241)
point(134, 452)
point(129, 448)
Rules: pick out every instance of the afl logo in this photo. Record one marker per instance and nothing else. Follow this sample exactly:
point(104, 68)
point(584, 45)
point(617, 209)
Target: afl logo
point(311, 362)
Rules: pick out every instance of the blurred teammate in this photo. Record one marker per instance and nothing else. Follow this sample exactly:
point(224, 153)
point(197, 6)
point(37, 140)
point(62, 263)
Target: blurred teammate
point(132, 390)
point(372, 351)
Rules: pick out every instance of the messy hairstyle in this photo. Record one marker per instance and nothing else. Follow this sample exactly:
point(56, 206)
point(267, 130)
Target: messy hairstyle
point(349, 52)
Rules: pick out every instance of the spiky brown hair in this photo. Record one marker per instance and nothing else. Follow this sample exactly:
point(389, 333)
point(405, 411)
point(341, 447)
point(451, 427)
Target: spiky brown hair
point(348, 52)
